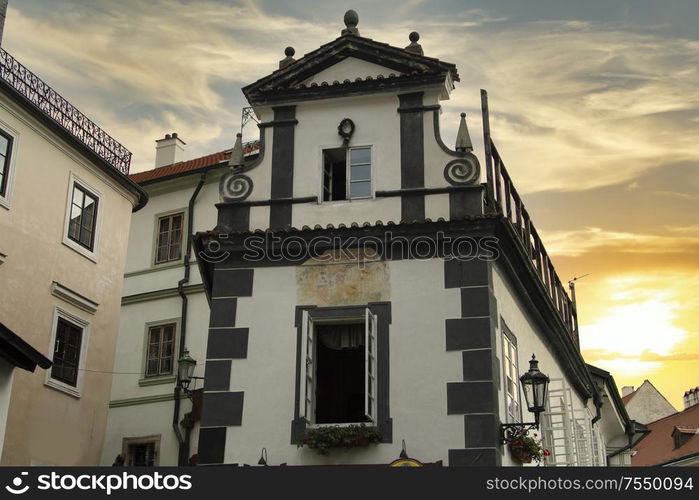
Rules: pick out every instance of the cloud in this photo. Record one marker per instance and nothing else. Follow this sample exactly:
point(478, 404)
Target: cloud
point(633, 328)
point(645, 356)
point(574, 243)
point(141, 69)
point(628, 367)
point(575, 104)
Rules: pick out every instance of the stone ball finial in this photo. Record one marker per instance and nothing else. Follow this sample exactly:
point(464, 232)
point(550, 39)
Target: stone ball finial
point(463, 115)
point(351, 22)
point(414, 47)
point(289, 53)
point(351, 19)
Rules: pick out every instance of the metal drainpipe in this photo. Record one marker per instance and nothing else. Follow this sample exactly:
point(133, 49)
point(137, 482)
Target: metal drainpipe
point(183, 455)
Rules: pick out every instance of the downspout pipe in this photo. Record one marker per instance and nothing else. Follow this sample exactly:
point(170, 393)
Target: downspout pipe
point(630, 432)
point(183, 455)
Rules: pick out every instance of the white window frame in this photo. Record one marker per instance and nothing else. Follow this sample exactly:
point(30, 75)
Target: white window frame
point(6, 199)
point(146, 380)
point(348, 169)
point(514, 364)
point(90, 254)
point(307, 387)
point(156, 235)
point(85, 325)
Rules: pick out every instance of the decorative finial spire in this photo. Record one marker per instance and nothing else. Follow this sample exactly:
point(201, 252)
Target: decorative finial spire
point(463, 139)
point(351, 22)
point(289, 53)
point(414, 47)
point(237, 158)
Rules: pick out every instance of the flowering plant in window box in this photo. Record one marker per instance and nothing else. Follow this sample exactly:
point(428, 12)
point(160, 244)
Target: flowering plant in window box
point(525, 448)
point(322, 439)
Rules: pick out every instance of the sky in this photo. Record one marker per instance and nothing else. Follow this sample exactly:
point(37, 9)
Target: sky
point(594, 108)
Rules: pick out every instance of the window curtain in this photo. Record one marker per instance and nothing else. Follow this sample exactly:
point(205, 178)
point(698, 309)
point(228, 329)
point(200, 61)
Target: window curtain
point(341, 337)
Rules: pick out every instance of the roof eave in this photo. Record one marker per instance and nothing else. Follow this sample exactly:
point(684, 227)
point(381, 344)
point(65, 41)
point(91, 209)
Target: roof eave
point(141, 197)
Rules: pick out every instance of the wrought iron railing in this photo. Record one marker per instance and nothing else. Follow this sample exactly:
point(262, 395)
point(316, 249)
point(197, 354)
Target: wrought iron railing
point(502, 198)
point(63, 113)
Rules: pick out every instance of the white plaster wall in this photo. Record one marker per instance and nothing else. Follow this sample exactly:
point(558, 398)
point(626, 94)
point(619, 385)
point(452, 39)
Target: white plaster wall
point(156, 417)
point(130, 347)
point(166, 197)
point(350, 68)
point(139, 421)
point(530, 340)
point(420, 368)
point(152, 417)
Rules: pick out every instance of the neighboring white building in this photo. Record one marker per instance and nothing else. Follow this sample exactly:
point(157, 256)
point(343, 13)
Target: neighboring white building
point(350, 166)
point(646, 404)
point(143, 402)
point(65, 208)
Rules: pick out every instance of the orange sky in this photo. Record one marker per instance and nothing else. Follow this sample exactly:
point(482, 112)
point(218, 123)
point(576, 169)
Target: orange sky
point(594, 107)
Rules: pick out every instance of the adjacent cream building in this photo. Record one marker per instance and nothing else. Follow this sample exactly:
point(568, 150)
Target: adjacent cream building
point(65, 210)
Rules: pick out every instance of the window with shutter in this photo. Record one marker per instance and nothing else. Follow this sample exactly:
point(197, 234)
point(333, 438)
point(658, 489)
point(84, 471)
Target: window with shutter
point(338, 369)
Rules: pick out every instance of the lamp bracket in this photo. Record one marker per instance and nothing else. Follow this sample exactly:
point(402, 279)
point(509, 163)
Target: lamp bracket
point(511, 432)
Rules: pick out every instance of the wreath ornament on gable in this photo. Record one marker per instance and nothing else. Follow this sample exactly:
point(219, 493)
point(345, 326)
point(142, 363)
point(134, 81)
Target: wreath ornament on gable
point(346, 129)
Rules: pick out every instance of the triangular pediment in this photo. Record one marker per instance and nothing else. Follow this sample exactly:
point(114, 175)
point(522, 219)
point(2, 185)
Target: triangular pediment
point(350, 60)
point(350, 68)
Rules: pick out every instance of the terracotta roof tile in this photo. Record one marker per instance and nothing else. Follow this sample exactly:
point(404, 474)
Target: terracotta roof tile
point(659, 445)
point(190, 165)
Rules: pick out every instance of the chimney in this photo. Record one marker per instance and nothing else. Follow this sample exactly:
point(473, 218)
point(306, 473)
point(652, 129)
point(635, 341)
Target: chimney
point(3, 13)
point(168, 150)
point(691, 397)
point(626, 390)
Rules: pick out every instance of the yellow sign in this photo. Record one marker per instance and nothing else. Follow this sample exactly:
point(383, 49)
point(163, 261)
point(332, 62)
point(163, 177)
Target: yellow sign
point(406, 462)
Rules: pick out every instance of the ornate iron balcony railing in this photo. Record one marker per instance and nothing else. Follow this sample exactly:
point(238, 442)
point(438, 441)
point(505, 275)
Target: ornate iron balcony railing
point(503, 199)
point(63, 113)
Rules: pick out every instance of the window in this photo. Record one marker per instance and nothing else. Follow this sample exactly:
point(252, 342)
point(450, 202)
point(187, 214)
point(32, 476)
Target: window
point(66, 352)
point(346, 173)
point(83, 217)
point(141, 452)
point(160, 350)
point(169, 241)
point(338, 364)
point(5, 153)
point(511, 371)
point(69, 340)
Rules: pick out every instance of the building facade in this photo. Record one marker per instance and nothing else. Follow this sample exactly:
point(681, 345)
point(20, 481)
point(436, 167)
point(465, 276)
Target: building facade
point(164, 309)
point(349, 271)
point(65, 209)
point(342, 291)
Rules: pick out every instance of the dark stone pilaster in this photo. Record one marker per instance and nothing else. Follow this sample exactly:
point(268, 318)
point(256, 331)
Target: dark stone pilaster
point(282, 165)
point(221, 407)
point(412, 155)
point(466, 203)
point(233, 217)
point(476, 397)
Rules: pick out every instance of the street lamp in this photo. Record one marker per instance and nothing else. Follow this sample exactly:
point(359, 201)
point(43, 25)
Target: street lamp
point(535, 386)
point(185, 371)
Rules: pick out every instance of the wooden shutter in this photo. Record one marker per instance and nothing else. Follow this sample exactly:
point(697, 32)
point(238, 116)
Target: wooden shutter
point(370, 366)
point(306, 368)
